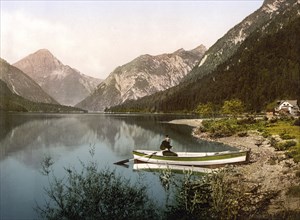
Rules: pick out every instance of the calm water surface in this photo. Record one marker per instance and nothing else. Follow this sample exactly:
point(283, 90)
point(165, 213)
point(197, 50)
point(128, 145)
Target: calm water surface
point(25, 139)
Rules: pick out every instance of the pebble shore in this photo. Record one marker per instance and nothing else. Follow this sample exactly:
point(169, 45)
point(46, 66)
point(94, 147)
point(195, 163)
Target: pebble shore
point(269, 171)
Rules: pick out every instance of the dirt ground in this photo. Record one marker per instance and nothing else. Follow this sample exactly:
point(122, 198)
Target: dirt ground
point(271, 170)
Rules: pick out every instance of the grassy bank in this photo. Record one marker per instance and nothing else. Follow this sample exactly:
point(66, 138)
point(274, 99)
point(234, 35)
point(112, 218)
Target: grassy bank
point(283, 133)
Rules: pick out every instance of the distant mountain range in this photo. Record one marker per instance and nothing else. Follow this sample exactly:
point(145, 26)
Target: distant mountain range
point(257, 62)
point(143, 76)
point(65, 84)
point(21, 84)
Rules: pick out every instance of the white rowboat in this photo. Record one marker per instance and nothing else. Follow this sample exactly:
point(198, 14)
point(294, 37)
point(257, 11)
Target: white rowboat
point(191, 158)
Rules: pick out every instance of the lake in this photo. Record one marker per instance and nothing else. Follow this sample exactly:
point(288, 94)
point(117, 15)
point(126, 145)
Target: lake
point(25, 140)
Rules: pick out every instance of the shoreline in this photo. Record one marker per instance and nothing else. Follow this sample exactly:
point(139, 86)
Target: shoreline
point(269, 171)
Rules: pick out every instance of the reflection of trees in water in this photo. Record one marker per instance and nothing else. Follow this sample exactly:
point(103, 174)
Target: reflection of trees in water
point(37, 134)
point(123, 133)
point(115, 133)
point(120, 133)
point(156, 126)
point(8, 122)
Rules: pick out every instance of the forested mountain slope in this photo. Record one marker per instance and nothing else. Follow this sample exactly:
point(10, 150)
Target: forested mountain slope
point(227, 46)
point(264, 68)
point(10, 102)
point(21, 84)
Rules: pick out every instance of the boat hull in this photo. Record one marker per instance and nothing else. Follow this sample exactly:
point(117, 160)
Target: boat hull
point(192, 158)
point(157, 167)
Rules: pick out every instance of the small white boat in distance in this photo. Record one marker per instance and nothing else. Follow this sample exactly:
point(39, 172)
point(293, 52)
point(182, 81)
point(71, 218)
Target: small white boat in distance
point(191, 158)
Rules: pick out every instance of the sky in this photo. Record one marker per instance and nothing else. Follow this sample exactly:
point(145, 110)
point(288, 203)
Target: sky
point(95, 37)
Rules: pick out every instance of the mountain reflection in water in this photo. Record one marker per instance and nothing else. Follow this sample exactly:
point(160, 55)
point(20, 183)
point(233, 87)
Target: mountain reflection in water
point(25, 139)
point(120, 133)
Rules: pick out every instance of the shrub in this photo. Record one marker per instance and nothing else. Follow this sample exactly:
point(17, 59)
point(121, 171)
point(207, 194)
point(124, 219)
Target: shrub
point(248, 120)
point(222, 129)
point(266, 134)
point(285, 136)
point(273, 142)
point(216, 196)
point(210, 197)
point(260, 130)
point(95, 194)
point(243, 134)
point(294, 152)
point(285, 145)
point(297, 122)
point(202, 129)
point(273, 120)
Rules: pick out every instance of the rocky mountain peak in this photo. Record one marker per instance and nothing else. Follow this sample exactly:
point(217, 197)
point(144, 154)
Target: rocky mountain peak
point(179, 51)
point(37, 64)
point(44, 52)
point(142, 76)
point(271, 6)
point(266, 2)
point(226, 46)
point(67, 85)
point(199, 50)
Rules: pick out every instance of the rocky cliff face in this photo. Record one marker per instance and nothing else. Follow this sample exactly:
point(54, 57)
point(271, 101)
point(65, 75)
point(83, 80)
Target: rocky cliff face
point(21, 84)
point(65, 84)
point(143, 76)
point(226, 46)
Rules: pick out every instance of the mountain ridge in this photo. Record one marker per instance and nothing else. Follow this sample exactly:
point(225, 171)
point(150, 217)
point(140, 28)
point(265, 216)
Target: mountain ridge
point(266, 61)
point(227, 45)
point(65, 84)
point(142, 76)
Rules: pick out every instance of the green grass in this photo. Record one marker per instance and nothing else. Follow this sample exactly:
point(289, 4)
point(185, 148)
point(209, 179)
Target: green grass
point(282, 127)
point(286, 128)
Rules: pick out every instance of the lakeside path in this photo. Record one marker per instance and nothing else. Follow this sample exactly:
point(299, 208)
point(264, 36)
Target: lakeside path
point(269, 171)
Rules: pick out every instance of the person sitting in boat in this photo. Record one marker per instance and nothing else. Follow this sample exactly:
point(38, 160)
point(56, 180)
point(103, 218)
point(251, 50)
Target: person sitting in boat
point(166, 144)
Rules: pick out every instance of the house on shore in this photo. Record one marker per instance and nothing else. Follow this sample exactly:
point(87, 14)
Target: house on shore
point(287, 107)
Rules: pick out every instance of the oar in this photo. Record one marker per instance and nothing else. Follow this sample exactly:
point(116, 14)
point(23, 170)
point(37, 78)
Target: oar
point(122, 162)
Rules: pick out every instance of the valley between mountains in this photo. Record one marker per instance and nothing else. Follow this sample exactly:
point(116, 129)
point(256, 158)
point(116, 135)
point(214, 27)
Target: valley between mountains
point(256, 61)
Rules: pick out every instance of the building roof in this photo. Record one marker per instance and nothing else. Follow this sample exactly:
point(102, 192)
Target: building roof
point(292, 102)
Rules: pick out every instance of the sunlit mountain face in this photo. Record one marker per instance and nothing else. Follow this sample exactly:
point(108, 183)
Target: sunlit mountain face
point(66, 85)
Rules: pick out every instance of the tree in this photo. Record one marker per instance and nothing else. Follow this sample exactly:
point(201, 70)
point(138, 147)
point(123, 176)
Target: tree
point(233, 107)
point(206, 110)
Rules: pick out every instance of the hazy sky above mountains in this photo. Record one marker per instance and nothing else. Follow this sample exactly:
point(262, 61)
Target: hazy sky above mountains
point(97, 36)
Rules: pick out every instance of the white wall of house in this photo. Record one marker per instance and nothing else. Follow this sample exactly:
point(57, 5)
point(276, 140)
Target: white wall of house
point(287, 106)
